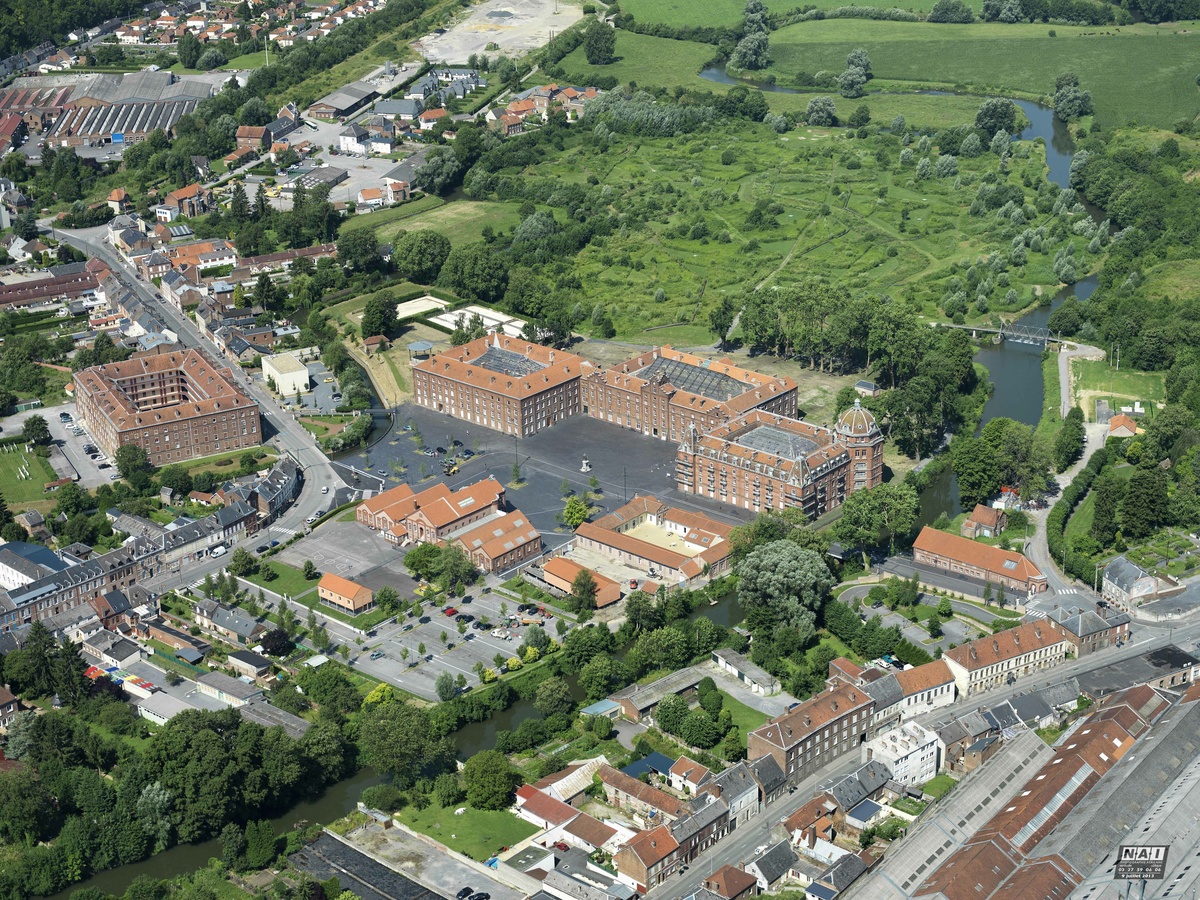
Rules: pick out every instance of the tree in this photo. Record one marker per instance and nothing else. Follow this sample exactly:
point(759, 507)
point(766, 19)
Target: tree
point(1109, 491)
point(860, 117)
point(954, 12)
point(782, 582)
point(851, 81)
point(455, 570)
point(210, 59)
point(575, 512)
point(583, 591)
point(276, 642)
point(994, 115)
point(419, 255)
point(490, 780)
point(977, 470)
point(440, 173)
point(242, 563)
point(554, 697)
point(358, 249)
point(752, 52)
point(670, 713)
point(1145, 505)
point(821, 111)
point(239, 203)
point(397, 739)
point(945, 609)
point(1070, 102)
point(387, 599)
point(1068, 446)
point(599, 43)
point(887, 509)
point(601, 675)
point(310, 570)
point(132, 460)
point(189, 49)
point(35, 431)
point(379, 315)
point(260, 844)
point(423, 561)
point(721, 318)
point(475, 272)
point(444, 686)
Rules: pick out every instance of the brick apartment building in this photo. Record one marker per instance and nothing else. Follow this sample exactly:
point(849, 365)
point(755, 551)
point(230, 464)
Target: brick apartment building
point(665, 392)
point(816, 732)
point(175, 406)
point(404, 516)
point(506, 384)
point(764, 461)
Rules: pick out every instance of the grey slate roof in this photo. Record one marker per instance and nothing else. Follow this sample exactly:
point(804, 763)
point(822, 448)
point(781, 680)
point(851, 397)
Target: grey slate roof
point(1005, 716)
point(768, 773)
point(1030, 707)
point(1123, 573)
point(402, 107)
point(1086, 622)
point(234, 620)
point(1061, 694)
point(735, 781)
point(844, 872)
point(682, 829)
point(118, 601)
point(776, 862)
point(655, 762)
point(850, 790)
point(885, 691)
point(975, 724)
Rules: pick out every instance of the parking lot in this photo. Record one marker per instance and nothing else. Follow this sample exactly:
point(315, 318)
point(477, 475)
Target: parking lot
point(70, 444)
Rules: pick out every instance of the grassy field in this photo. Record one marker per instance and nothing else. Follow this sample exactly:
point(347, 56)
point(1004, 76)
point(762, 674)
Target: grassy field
point(1050, 424)
point(17, 491)
point(476, 833)
point(462, 222)
point(745, 718)
point(1093, 379)
point(228, 463)
point(729, 12)
point(1122, 67)
point(848, 211)
point(662, 62)
point(1080, 522)
point(381, 217)
point(939, 786)
point(291, 581)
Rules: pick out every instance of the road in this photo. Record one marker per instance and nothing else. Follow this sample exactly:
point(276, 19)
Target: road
point(289, 436)
point(1082, 351)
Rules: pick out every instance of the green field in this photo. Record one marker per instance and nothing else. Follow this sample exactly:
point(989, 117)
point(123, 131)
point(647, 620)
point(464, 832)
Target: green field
point(744, 717)
point(848, 211)
point(476, 833)
point(19, 491)
point(1093, 379)
point(462, 222)
point(1122, 67)
point(662, 62)
point(729, 12)
point(381, 217)
point(291, 581)
point(938, 786)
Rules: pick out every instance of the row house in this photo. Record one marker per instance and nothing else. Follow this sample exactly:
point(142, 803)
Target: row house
point(648, 860)
point(899, 696)
point(815, 732)
point(1005, 656)
point(647, 805)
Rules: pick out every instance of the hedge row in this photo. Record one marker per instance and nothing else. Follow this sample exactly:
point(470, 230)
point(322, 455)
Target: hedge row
point(1078, 565)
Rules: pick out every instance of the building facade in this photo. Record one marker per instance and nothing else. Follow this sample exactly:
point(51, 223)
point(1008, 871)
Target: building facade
point(1004, 657)
point(175, 406)
point(982, 562)
point(910, 751)
point(344, 594)
point(664, 393)
point(815, 732)
point(500, 543)
point(507, 384)
point(762, 461)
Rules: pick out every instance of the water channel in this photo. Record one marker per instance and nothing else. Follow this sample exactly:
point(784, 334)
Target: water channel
point(1015, 371)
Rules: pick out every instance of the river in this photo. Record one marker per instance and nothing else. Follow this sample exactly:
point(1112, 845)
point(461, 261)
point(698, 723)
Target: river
point(1015, 371)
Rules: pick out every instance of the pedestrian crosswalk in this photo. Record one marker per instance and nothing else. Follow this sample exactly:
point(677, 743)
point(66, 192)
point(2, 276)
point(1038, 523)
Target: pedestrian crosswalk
point(284, 533)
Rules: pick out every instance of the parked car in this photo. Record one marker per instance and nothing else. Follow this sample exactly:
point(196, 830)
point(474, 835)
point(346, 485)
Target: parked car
point(104, 466)
point(466, 453)
point(450, 611)
point(441, 451)
point(408, 627)
point(480, 896)
point(464, 617)
point(261, 548)
point(325, 490)
point(464, 893)
point(378, 654)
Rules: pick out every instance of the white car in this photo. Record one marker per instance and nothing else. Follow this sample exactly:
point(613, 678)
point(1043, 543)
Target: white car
point(325, 490)
point(760, 849)
point(310, 520)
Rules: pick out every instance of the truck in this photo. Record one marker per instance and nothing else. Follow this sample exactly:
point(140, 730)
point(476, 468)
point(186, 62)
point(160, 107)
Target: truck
point(218, 550)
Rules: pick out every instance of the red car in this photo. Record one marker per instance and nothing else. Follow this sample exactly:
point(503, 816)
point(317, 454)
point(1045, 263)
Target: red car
point(450, 611)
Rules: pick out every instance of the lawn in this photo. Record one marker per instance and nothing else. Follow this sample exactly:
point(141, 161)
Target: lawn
point(908, 805)
point(938, 786)
point(1051, 421)
point(744, 717)
point(854, 216)
point(19, 491)
point(379, 217)
point(477, 833)
point(229, 463)
point(462, 222)
point(1095, 379)
point(729, 12)
point(291, 581)
point(1122, 67)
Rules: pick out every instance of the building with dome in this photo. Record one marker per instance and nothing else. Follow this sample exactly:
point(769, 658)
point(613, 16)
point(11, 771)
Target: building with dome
point(763, 461)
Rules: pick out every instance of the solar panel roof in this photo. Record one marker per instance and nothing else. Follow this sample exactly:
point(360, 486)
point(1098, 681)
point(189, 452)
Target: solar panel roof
point(507, 363)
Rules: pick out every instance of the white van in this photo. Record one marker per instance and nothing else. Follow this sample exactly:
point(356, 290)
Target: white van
point(219, 550)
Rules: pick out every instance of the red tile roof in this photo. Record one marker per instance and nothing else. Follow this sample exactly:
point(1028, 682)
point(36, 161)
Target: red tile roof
point(1005, 645)
point(813, 714)
point(730, 882)
point(653, 846)
point(1001, 563)
point(544, 807)
point(593, 831)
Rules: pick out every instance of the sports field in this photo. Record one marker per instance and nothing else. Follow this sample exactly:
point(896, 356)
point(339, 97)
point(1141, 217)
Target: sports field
point(19, 492)
point(1123, 67)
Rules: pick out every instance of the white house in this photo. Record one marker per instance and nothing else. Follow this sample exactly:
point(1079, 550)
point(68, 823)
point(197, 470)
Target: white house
point(353, 139)
point(910, 751)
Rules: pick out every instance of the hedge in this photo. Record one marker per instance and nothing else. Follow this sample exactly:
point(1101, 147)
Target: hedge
point(1078, 565)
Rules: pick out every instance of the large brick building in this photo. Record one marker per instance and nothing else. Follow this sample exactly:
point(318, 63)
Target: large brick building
point(665, 392)
point(815, 732)
point(982, 562)
point(175, 406)
point(504, 383)
point(765, 461)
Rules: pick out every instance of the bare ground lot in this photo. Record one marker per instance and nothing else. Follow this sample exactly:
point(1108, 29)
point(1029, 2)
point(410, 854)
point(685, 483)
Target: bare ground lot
point(514, 26)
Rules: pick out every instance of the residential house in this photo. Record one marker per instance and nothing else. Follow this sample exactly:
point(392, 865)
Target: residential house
point(838, 877)
point(541, 809)
point(845, 792)
point(1122, 426)
point(344, 594)
point(232, 691)
point(420, 89)
point(189, 202)
point(9, 706)
point(773, 866)
point(107, 648)
point(687, 775)
point(228, 622)
point(815, 732)
point(731, 883)
point(772, 783)
point(429, 118)
point(956, 736)
point(1003, 657)
point(810, 829)
point(33, 522)
point(370, 197)
point(698, 831)
point(984, 521)
point(908, 693)
point(1090, 630)
point(252, 137)
point(647, 805)
point(1128, 586)
point(978, 561)
point(353, 139)
point(648, 860)
point(396, 192)
point(909, 751)
point(118, 200)
point(738, 788)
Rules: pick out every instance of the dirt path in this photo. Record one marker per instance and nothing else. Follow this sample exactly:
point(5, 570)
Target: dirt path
point(1066, 386)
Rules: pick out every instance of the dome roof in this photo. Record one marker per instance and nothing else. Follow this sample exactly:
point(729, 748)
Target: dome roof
point(857, 422)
